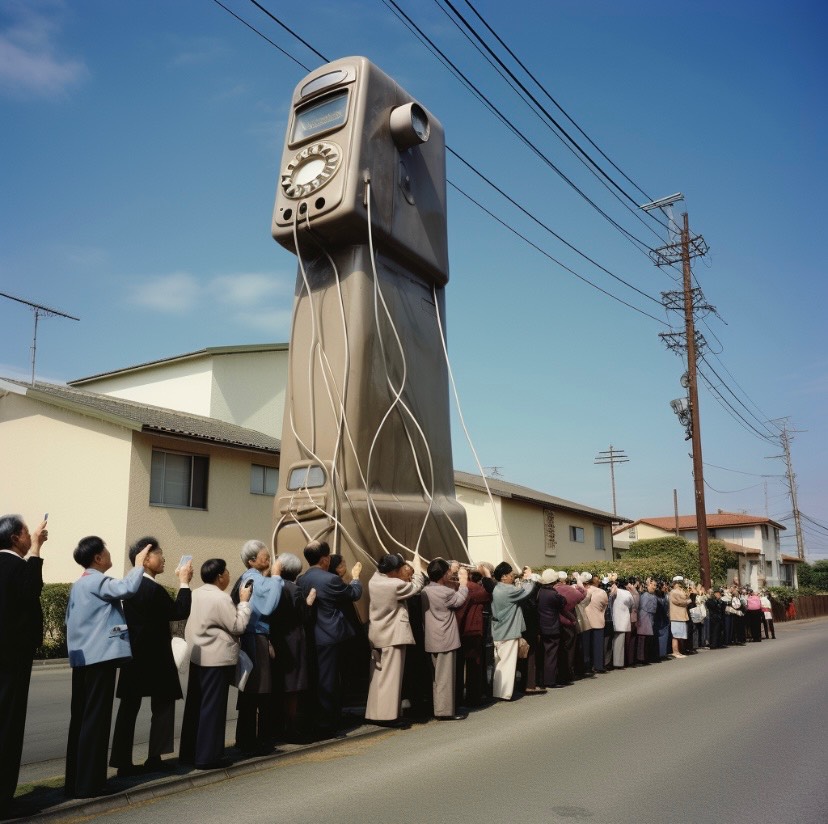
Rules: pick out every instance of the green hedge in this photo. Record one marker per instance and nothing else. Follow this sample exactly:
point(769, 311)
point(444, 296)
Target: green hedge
point(54, 599)
point(664, 558)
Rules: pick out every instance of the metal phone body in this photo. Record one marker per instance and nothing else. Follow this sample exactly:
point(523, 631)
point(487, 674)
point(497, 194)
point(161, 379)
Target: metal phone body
point(343, 352)
point(340, 135)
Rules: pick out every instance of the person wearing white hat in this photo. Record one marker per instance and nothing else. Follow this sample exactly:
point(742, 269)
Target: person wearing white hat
point(595, 605)
point(570, 642)
point(550, 606)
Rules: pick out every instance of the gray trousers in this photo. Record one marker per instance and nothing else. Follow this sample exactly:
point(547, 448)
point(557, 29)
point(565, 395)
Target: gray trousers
point(443, 683)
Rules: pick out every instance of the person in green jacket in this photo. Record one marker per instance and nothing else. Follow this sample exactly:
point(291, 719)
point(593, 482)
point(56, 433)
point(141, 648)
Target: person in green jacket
point(508, 624)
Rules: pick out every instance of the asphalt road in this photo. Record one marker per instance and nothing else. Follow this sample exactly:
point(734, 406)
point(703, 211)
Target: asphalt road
point(47, 723)
point(728, 736)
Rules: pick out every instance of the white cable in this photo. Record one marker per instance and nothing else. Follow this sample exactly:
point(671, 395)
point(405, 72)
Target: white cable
point(465, 429)
point(397, 393)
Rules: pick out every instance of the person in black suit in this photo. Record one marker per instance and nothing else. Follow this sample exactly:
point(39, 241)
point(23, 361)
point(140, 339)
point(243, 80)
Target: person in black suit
point(330, 628)
point(152, 671)
point(21, 633)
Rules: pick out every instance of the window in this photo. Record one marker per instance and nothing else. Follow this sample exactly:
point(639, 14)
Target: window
point(765, 532)
point(179, 480)
point(263, 480)
point(576, 534)
point(306, 477)
point(633, 533)
point(599, 536)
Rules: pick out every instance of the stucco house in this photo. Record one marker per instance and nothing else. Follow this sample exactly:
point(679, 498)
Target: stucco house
point(543, 530)
point(121, 469)
point(187, 449)
point(754, 538)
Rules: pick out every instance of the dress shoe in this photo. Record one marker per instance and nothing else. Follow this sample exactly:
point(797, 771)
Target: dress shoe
point(459, 717)
point(391, 724)
point(215, 765)
point(130, 769)
point(156, 764)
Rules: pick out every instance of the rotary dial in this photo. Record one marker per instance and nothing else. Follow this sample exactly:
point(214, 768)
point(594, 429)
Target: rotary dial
point(311, 169)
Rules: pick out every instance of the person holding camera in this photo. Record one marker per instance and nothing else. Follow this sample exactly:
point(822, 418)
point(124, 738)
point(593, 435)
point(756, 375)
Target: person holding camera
point(212, 633)
point(254, 725)
point(152, 672)
point(508, 625)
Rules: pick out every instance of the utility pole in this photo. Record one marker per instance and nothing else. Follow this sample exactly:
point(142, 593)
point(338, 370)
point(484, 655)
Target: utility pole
point(675, 512)
point(689, 300)
point(612, 457)
point(39, 310)
point(785, 440)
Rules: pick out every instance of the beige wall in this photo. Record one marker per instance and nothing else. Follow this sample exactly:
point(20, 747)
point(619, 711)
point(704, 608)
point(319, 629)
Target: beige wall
point(244, 388)
point(249, 390)
point(523, 526)
point(232, 516)
point(74, 467)
point(182, 385)
point(483, 536)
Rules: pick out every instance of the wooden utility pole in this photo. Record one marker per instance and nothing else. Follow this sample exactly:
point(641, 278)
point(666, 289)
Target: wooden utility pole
point(675, 511)
point(785, 438)
point(693, 394)
point(689, 300)
point(612, 456)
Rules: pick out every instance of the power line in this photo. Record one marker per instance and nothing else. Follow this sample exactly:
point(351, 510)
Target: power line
point(729, 491)
point(441, 56)
point(512, 201)
point(290, 31)
point(263, 36)
point(553, 259)
point(732, 410)
point(539, 110)
point(543, 225)
point(740, 472)
point(556, 104)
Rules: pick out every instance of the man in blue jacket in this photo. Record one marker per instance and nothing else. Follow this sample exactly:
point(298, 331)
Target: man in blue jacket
point(98, 640)
point(330, 627)
point(254, 725)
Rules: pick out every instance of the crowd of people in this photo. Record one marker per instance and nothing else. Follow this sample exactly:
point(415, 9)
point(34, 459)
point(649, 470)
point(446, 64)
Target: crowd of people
point(441, 638)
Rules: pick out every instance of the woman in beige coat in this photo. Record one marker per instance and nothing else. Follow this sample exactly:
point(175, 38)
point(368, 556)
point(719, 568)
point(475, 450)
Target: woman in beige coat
point(595, 605)
point(389, 632)
point(212, 633)
point(678, 600)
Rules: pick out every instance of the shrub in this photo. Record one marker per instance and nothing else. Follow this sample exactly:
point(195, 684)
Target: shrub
point(53, 600)
point(814, 576)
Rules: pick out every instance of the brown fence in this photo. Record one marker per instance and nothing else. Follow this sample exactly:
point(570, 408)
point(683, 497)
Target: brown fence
point(807, 606)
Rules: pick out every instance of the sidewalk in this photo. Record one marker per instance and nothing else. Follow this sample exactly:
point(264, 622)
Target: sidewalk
point(40, 797)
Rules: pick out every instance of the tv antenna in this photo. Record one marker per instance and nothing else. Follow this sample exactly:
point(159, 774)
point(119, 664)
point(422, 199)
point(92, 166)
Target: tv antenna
point(38, 310)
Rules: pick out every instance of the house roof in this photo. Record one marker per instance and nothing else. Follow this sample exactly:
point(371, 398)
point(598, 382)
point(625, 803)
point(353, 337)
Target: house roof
point(741, 550)
point(210, 351)
point(504, 489)
point(143, 417)
point(791, 559)
point(715, 520)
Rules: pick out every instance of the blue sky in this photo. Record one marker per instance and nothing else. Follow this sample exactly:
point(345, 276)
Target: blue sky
point(140, 146)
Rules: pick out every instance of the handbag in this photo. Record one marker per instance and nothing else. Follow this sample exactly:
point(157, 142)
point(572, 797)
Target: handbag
point(181, 654)
point(696, 615)
point(523, 648)
point(244, 666)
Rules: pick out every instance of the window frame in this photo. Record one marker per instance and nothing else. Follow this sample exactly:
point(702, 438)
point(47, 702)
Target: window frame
point(199, 463)
point(598, 529)
point(264, 473)
point(573, 534)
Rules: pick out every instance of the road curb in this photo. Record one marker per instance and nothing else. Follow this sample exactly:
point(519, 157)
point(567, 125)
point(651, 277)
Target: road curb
point(170, 785)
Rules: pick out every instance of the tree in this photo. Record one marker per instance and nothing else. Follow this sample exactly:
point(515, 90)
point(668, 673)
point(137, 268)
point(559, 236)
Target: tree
point(814, 575)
